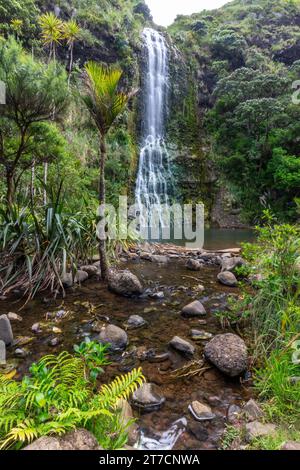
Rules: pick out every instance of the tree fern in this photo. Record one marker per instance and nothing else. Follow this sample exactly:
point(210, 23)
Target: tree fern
point(57, 398)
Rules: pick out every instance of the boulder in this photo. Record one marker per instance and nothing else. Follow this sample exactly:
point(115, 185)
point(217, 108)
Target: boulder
point(182, 346)
point(201, 412)
point(253, 411)
point(194, 309)
point(135, 321)
point(228, 352)
point(6, 334)
point(14, 317)
point(227, 279)
point(124, 283)
point(148, 398)
point(233, 415)
point(69, 281)
point(291, 445)
point(80, 439)
point(194, 265)
point(90, 269)
point(230, 264)
point(115, 336)
point(256, 429)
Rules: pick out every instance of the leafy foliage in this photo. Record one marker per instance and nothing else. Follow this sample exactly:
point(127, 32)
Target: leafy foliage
point(58, 397)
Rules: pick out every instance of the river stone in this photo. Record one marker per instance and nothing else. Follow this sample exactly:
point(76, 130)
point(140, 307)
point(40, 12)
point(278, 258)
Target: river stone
point(194, 265)
point(257, 429)
point(80, 439)
point(6, 334)
point(157, 295)
point(135, 321)
point(201, 412)
point(253, 411)
point(228, 279)
point(14, 317)
point(161, 259)
point(198, 430)
point(182, 346)
point(68, 280)
point(115, 336)
point(148, 398)
point(90, 269)
point(124, 283)
point(202, 335)
point(146, 256)
point(127, 419)
point(228, 352)
point(230, 264)
point(194, 309)
point(233, 414)
point(291, 445)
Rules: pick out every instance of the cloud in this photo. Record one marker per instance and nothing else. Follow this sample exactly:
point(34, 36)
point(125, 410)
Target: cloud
point(164, 12)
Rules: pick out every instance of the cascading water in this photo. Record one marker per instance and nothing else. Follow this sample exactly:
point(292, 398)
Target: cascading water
point(154, 179)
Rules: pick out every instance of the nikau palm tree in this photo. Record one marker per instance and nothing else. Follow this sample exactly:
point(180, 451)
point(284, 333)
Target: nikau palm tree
point(105, 103)
point(52, 32)
point(71, 32)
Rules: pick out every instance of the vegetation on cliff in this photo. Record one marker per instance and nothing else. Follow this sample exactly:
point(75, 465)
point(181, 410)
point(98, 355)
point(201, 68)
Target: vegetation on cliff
point(243, 59)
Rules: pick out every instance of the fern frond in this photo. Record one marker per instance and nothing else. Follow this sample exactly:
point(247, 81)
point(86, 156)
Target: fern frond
point(121, 387)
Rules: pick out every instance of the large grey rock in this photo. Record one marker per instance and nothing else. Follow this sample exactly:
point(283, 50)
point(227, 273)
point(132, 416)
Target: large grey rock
point(124, 283)
point(227, 279)
point(80, 439)
point(182, 346)
point(6, 334)
point(136, 321)
point(194, 265)
point(228, 352)
point(68, 280)
point(148, 398)
point(201, 412)
point(257, 429)
point(291, 445)
point(14, 317)
point(90, 269)
point(252, 410)
point(115, 336)
point(194, 309)
point(230, 264)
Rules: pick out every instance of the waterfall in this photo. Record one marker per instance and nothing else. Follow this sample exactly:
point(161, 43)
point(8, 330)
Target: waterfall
point(154, 176)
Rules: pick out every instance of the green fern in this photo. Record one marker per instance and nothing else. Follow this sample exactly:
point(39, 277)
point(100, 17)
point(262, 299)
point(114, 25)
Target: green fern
point(57, 397)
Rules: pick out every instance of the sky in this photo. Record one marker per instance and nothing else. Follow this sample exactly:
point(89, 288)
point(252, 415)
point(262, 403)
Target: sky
point(164, 12)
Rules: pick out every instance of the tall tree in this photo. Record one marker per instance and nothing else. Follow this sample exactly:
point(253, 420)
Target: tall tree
point(52, 32)
point(71, 32)
point(35, 94)
point(105, 103)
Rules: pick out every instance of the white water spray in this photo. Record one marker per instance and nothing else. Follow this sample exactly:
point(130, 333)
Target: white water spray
point(154, 177)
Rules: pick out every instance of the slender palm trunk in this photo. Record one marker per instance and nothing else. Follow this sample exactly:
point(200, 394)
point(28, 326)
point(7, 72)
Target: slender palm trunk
point(32, 183)
point(45, 183)
point(71, 64)
point(102, 200)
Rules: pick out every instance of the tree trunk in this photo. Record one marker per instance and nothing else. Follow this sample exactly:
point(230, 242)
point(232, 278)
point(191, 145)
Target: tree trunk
point(102, 199)
point(70, 65)
point(45, 183)
point(9, 189)
point(32, 183)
